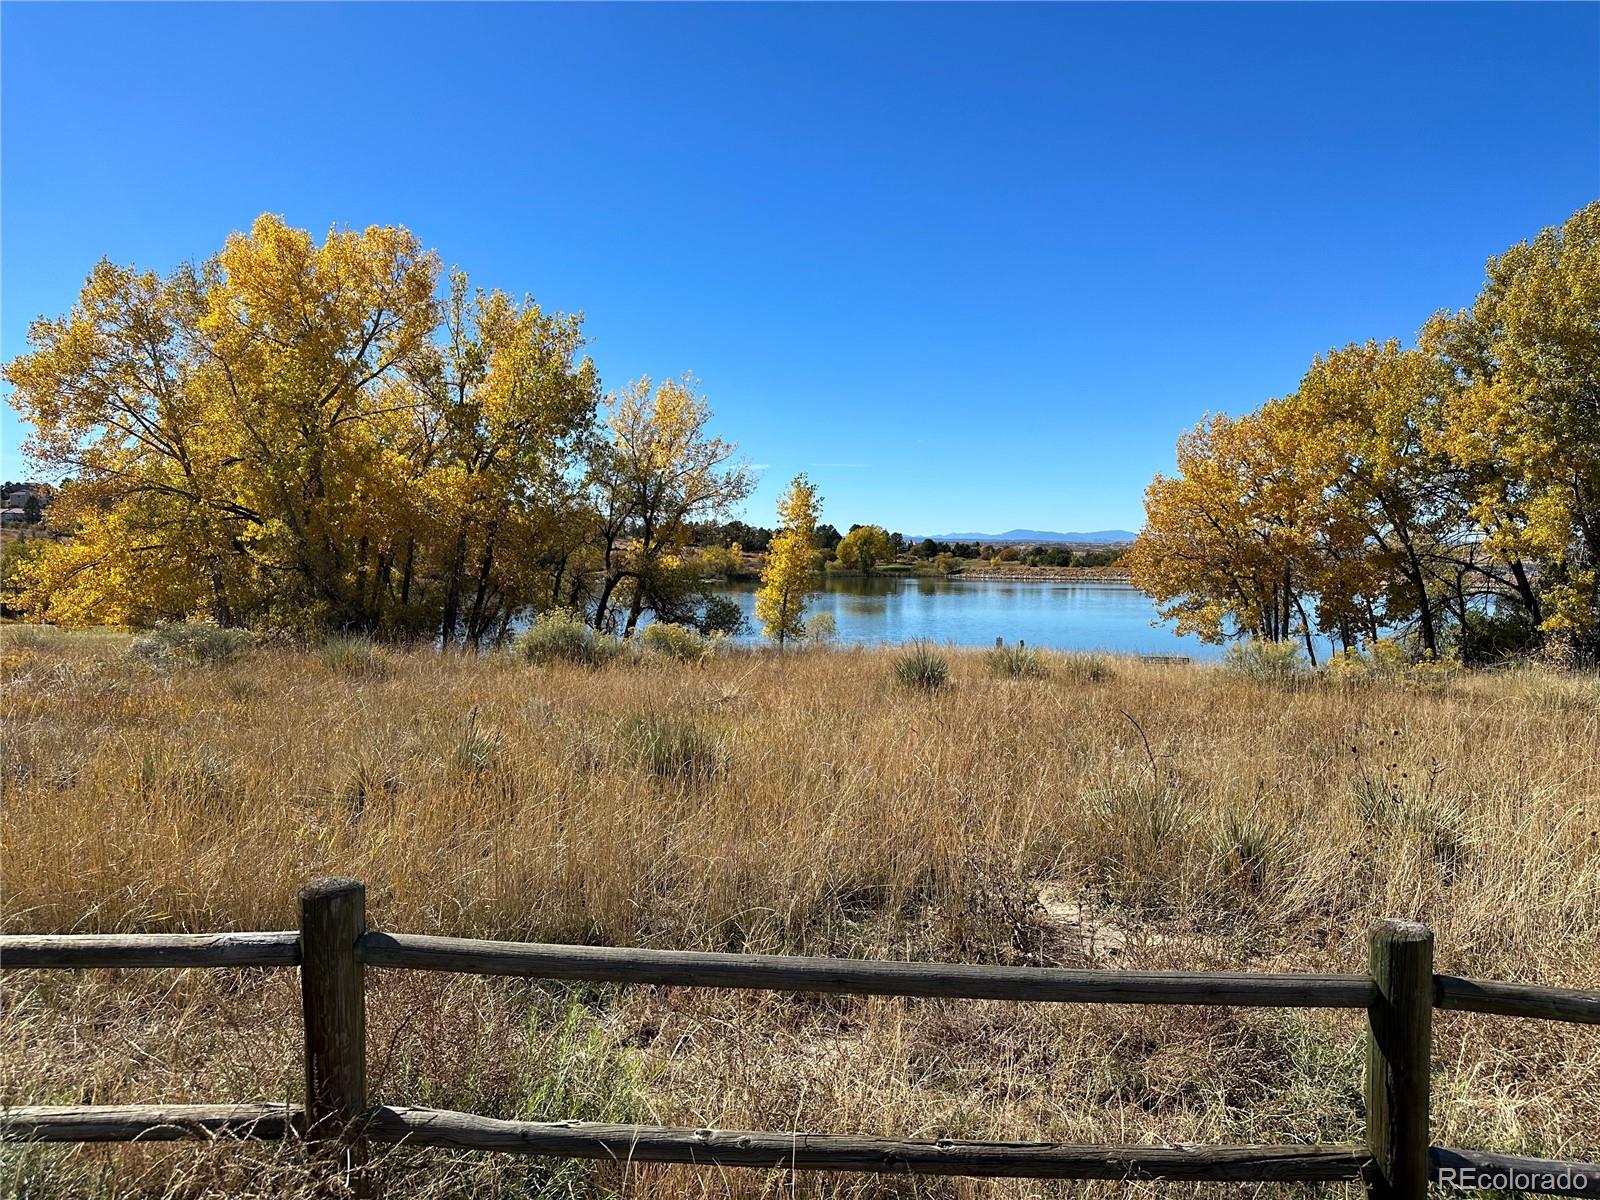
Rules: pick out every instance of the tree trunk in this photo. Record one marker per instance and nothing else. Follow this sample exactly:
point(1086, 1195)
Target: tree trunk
point(635, 607)
point(1525, 592)
point(220, 612)
point(405, 574)
point(1430, 638)
point(475, 622)
point(612, 579)
point(452, 595)
point(1305, 626)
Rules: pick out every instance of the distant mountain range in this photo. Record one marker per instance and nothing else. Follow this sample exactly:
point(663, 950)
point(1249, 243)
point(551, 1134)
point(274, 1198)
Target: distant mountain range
point(1097, 537)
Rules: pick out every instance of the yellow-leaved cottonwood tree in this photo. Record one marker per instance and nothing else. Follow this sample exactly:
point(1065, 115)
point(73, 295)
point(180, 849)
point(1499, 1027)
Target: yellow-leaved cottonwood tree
point(1450, 492)
point(311, 435)
point(656, 473)
point(791, 564)
point(864, 547)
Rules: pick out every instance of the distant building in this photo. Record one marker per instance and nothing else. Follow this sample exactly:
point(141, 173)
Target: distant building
point(17, 495)
point(23, 503)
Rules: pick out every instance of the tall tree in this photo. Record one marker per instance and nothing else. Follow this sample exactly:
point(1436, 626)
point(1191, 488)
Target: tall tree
point(114, 395)
point(297, 434)
point(791, 563)
point(512, 408)
point(1523, 423)
point(1225, 547)
point(656, 475)
point(302, 349)
point(1362, 414)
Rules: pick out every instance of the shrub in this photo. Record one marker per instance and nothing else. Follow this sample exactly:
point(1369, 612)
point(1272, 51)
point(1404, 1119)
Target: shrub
point(355, 656)
point(1017, 662)
point(1266, 661)
point(922, 667)
point(1390, 660)
point(682, 642)
point(177, 643)
point(563, 636)
point(821, 628)
point(670, 747)
point(720, 561)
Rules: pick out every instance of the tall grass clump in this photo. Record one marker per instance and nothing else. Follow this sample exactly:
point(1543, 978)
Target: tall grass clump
point(184, 643)
point(475, 747)
point(1086, 668)
point(353, 656)
point(15, 636)
point(1264, 662)
point(1016, 662)
point(672, 747)
point(563, 636)
point(585, 1074)
point(922, 668)
point(681, 642)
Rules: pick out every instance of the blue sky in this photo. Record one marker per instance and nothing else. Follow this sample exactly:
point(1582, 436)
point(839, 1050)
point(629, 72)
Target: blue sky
point(970, 267)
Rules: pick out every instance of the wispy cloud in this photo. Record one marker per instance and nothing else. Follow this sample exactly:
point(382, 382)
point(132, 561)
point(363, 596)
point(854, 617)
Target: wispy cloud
point(841, 464)
point(761, 466)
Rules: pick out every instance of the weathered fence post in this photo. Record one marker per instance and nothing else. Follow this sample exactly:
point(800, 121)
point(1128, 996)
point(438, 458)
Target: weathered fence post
point(1399, 1047)
point(333, 914)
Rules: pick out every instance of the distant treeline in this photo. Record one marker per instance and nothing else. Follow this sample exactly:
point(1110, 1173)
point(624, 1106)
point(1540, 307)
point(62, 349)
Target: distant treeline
point(756, 538)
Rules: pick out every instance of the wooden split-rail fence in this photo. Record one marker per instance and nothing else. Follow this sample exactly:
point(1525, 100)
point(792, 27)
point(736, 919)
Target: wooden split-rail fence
point(333, 947)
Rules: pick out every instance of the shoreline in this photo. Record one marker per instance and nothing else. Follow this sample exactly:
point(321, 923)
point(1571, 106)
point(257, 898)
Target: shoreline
point(1047, 575)
point(985, 575)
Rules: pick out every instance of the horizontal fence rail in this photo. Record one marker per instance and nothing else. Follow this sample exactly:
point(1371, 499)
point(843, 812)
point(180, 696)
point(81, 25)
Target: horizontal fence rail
point(773, 972)
point(1516, 1000)
point(783, 1151)
point(831, 1152)
point(75, 950)
point(714, 1147)
point(1477, 1169)
point(332, 948)
point(148, 1122)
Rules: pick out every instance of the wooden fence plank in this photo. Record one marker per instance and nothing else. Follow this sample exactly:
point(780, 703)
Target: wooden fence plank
point(57, 951)
point(1470, 1170)
point(1516, 999)
point(832, 1152)
point(146, 1122)
point(861, 977)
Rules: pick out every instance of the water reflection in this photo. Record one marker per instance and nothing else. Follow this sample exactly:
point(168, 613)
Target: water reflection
point(1066, 616)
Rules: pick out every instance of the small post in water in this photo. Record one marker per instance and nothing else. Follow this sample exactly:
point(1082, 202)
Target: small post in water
point(333, 915)
point(1399, 1049)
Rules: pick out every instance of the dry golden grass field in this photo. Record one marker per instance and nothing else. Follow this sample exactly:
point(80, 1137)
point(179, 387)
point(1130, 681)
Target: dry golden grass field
point(807, 804)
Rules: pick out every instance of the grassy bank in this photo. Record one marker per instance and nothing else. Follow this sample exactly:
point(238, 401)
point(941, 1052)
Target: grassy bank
point(810, 804)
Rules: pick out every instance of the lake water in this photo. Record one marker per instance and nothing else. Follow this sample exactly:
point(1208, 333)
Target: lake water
point(1063, 616)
